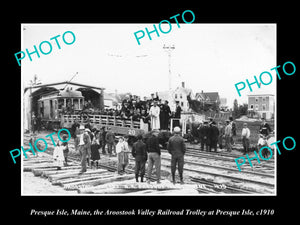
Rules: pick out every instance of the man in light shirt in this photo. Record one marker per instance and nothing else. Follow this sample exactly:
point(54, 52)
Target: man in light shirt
point(245, 138)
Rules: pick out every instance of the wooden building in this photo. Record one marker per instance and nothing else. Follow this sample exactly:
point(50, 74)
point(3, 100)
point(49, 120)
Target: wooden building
point(261, 105)
point(47, 100)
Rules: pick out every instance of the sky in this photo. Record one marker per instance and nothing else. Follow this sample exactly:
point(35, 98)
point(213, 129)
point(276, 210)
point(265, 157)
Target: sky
point(208, 57)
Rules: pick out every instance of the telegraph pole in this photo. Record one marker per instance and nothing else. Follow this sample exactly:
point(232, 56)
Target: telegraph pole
point(169, 49)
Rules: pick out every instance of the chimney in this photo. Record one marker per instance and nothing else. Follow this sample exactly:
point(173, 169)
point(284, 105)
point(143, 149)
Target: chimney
point(182, 84)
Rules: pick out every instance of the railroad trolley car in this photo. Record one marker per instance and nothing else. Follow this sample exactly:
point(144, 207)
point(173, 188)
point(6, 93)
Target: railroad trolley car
point(52, 106)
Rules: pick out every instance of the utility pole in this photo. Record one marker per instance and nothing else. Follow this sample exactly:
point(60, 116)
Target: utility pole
point(169, 49)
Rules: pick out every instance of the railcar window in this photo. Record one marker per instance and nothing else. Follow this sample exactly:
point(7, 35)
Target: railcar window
point(60, 103)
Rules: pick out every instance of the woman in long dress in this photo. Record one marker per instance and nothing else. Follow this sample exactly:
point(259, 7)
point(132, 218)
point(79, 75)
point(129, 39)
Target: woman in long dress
point(95, 146)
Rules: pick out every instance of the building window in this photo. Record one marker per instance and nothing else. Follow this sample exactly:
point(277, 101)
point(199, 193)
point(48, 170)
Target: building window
point(256, 107)
point(180, 95)
point(264, 107)
point(176, 96)
point(256, 99)
point(251, 106)
point(181, 104)
point(263, 99)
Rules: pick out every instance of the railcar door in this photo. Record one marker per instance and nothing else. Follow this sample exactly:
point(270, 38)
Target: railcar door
point(51, 109)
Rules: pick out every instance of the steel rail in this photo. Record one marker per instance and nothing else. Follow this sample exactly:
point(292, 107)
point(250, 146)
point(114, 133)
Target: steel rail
point(224, 168)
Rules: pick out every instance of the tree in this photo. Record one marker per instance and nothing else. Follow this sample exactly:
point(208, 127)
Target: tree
point(239, 110)
point(243, 109)
point(194, 104)
point(201, 106)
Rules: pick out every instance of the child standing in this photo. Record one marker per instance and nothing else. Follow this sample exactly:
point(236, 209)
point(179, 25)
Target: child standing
point(95, 146)
point(60, 153)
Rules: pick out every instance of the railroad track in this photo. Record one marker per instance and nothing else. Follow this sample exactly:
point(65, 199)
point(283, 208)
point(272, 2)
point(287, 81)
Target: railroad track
point(225, 158)
point(210, 185)
point(219, 155)
point(224, 168)
point(131, 171)
point(209, 160)
point(263, 180)
point(200, 170)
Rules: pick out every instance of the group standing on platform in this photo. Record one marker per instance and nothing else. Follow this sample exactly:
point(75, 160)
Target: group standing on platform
point(153, 113)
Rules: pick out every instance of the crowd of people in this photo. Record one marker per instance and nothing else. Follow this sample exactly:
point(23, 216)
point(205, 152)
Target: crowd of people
point(153, 112)
point(88, 142)
point(210, 134)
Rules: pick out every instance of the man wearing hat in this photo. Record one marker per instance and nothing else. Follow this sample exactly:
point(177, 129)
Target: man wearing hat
point(203, 135)
point(264, 128)
point(153, 149)
point(139, 152)
point(246, 138)
point(110, 141)
point(177, 114)
point(102, 139)
point(228, 136)
point(213, 136)
point(84, 144)
point(165, 113)
point(177, 148)
point(233, 129)
point(264, 131)
point(91, 136)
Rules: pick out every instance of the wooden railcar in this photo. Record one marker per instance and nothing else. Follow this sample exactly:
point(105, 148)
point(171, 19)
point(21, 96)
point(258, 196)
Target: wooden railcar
point(53, 105)
point(118, 126)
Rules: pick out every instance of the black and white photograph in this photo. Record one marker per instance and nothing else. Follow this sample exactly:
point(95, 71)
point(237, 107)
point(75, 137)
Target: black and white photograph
point(137, 113)
point(172, 109)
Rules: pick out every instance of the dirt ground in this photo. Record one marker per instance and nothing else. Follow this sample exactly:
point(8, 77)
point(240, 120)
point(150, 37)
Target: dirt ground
point(40, 186)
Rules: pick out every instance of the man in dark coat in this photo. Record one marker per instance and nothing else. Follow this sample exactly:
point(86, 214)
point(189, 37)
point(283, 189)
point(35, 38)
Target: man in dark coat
point(176, 147)
point(264, 128)
point(146, 118)
point(154, 153)
point(110, 141)
point(233, 129)
point(203, 136)
point(165, 113)
point(177, 115)
point(139, 152)
point(74, 129)
point(213, 136)
point(102, 139)
point(84, 145)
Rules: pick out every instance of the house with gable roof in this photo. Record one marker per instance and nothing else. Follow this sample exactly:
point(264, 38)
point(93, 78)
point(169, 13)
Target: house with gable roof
point(209, 98)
